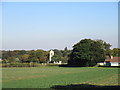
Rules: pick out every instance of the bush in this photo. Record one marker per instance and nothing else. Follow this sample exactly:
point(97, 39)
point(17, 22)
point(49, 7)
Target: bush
point(21, 65)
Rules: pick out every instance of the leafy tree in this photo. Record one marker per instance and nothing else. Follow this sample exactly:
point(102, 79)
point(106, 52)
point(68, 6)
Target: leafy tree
point(87, 52)
point(33, 59)
point(58, 55)
point(61, 55)
point(116, 52)
point(57, 58)
point(105, 46)
point(65, 49)
point(22, 52)
point(57, 52)
point(42, 56)
point(25, 57)
point(5, 55)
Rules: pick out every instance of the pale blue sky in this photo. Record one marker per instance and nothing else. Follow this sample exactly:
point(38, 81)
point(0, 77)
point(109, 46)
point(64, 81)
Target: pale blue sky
point(49, 25)
point(0, 25)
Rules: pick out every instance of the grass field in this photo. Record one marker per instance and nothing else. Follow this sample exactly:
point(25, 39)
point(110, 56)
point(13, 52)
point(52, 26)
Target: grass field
point(46, 77)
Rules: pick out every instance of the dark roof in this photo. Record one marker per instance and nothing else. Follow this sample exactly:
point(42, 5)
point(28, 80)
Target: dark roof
point(115, 59)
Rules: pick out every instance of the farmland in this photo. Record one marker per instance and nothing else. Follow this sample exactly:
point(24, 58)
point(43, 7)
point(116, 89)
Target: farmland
point(49, 76)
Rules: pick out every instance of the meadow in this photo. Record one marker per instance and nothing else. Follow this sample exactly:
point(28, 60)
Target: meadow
point(49, 76)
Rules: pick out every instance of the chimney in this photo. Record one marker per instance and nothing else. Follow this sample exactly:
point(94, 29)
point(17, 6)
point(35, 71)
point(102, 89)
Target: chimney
point(111, 57)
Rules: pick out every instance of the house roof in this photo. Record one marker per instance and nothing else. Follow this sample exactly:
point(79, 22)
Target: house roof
point(114, 59)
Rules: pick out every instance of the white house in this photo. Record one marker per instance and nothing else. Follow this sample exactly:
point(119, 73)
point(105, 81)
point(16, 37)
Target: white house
point(113, 61)
point(59, 62)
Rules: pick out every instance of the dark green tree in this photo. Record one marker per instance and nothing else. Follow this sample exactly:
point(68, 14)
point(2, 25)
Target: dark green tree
point(115, 52)
point(65, 49)
point(87, 52)
point(42, 56)
point(106, 47)
point(57, 52)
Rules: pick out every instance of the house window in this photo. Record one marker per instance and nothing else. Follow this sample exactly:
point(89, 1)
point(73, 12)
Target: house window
point(108, 63)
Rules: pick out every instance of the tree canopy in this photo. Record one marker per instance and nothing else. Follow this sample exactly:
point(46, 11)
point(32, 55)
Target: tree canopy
point(88, 52)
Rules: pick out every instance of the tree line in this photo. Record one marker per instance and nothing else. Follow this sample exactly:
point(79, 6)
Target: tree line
point(34, 56)
point(86, 52)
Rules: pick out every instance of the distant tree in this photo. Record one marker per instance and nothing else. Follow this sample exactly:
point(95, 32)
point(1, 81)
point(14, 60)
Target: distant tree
point(61, 55)
point(22, 52)
point(57, 52)
point(42, 56)
point(5, 55)
point(105, 46)
point(65, 49)
point(65, 52)
point(116, 52)
point(57, 58)
point(11, 59)
point(25, 58)
point(17, 60)
point(0, 54)
point(33, 59)
point(87, 52)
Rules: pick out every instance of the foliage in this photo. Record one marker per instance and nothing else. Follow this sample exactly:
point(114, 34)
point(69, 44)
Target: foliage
point(35, 56)
point(42, 56)
point(61, 55)
point(20, 65)
point(25, 57)
point(87, 52)
point(116, 52)
point(105, 46)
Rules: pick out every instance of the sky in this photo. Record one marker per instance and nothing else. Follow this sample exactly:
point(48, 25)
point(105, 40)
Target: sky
point(56, 25)
point(0, 25)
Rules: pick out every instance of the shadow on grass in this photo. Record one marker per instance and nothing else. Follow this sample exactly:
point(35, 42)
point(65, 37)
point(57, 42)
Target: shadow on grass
point(67, 65)
point(111, 66)
point(69, 87)
point(81, 86)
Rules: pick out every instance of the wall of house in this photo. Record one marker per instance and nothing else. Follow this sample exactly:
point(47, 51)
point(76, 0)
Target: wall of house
point(114, 64)
point(101, 64)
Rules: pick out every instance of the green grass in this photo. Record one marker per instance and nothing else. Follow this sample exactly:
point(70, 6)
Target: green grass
point(45, 77)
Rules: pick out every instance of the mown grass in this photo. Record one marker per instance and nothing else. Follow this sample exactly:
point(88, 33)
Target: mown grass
point(46, 77)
